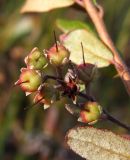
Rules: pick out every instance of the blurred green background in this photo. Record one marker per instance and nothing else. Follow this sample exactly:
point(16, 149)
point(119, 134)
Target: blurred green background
point(34, 133)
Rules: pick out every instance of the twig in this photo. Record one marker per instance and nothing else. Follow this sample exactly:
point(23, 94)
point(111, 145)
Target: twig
point(97, 19)
point(116, 121)
point(101, 11)
point(85, 96)
point(46, 77)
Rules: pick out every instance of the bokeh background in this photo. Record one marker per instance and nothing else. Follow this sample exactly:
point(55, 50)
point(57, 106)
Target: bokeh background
point(34, 133)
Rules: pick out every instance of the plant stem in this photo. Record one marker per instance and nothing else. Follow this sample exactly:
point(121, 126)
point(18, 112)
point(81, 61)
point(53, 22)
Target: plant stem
point(46, 77)
point(116, 121)
point(85, 96)
point(96, 14)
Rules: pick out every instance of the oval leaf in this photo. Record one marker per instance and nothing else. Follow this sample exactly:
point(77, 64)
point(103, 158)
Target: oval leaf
point(94, 50)
point(96, 144)
point(44, 5)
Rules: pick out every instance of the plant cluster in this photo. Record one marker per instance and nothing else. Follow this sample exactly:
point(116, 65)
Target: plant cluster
point(70, 81)
point(74, 62)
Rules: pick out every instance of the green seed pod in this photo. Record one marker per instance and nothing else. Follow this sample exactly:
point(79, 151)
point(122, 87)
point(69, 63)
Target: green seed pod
point(91, 113)
point(29, 80)
point(36, 60)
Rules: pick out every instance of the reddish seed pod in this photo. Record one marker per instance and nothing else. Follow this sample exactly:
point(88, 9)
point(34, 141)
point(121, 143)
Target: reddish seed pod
point(58, 55)
point(87, 72)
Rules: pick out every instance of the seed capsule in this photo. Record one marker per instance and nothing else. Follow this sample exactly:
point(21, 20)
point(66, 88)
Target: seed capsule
point(58, 55)
point(87, 72)
point(36, 60)
point(91, 113)
point(29, 80)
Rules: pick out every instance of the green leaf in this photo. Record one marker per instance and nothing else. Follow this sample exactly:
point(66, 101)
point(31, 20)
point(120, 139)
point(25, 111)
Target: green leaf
point(45, 5)
point(96, 144)
point(68, 25)
point(95, 51)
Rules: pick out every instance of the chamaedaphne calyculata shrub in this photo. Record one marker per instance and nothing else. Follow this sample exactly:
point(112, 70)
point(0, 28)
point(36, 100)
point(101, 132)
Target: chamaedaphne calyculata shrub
point(76, 60)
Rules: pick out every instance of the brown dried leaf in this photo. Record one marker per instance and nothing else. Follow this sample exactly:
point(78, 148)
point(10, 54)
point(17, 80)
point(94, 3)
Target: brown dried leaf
point(44, 5)
point(96, 144)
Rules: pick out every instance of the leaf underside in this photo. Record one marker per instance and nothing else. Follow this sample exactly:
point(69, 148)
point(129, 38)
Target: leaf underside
point(94, 50)
point(44, 5)
point(95, 144)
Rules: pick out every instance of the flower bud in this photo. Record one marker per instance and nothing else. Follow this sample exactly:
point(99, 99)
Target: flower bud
point(29, 80)
point(87, 72)
point(58, 55)
point(91, 113)
point(36, 60)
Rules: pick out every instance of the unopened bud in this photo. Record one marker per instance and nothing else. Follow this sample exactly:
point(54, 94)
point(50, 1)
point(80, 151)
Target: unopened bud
point(29, 80)
point(58, 55)
point(36, 60)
